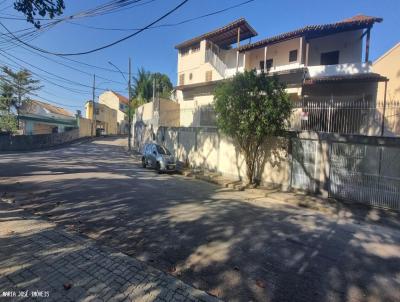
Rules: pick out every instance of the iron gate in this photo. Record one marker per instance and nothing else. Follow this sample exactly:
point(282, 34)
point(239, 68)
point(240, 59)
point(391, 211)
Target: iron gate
point(304, 154)
point(366, 174)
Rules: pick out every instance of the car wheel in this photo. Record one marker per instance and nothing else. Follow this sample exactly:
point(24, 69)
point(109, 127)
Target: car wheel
point(143, 163)
point(158, 168)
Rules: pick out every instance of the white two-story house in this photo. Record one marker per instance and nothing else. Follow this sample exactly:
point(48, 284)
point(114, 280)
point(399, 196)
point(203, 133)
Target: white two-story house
point(315, 62)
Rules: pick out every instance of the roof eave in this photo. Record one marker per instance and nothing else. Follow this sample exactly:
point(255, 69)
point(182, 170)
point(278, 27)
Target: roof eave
point(237, 23)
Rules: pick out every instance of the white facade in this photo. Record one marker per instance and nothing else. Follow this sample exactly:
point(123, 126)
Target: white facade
point(306, 54)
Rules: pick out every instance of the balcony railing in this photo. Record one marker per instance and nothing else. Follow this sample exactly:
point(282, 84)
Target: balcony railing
point(216, 62)
point(339, 69)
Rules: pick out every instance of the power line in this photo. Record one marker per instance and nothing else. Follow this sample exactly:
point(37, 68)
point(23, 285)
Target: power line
point(74, 90)
point(104, 46)
point(103, 9)
point(48, 72)
point(34, 94)
point(157, 26)
point(167, 24)
point(75, 61)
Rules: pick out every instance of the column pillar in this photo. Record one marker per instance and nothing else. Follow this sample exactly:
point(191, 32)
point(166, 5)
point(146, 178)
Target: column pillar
point(307, 53)
point(237, 52)
point(265, 58)
point(367, 44)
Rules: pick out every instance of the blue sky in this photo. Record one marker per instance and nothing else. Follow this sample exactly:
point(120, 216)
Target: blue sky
point(154, 49)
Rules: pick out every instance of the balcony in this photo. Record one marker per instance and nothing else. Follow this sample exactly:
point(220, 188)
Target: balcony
point(338, 70)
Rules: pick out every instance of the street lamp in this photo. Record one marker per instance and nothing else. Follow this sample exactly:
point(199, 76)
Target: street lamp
point(129, 100)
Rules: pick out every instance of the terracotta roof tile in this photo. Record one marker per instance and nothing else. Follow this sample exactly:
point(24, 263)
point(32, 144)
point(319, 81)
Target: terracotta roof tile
point(228, 30)
point(363, 77)
point(49, 107)
point(313, 31)
point(121, 98)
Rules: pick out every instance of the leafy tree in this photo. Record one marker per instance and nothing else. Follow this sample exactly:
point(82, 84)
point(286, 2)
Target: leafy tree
point(17, 86)
point(163, 84)
point(6, 97)
point(250, 108)
point(143, 85)
point(31, 8)
point(135, 103)
point(8, 123)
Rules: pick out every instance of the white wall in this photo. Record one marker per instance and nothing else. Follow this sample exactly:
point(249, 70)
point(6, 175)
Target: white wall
point(348, 43)
point(278, 52)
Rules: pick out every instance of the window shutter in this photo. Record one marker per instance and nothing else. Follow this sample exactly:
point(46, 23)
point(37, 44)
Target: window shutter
point(208, 75)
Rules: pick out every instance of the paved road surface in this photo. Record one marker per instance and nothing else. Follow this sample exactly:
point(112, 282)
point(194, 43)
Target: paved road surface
point(217, 240)
point(39, 261)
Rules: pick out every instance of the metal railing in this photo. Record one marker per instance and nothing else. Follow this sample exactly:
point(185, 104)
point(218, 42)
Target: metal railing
point(216, 62)
point(347, 115)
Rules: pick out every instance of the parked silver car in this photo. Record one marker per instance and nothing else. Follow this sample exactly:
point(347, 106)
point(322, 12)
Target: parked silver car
point(158, 157)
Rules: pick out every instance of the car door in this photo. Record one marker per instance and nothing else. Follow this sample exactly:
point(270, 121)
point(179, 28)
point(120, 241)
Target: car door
point(152, 155)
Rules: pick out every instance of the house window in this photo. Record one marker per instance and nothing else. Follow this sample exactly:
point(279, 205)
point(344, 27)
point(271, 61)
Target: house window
point(122, 107)
point(208, 75)
point(269, 64)
point(293, 56)
point(330, 58)
point(190, 76)
point(182, 79)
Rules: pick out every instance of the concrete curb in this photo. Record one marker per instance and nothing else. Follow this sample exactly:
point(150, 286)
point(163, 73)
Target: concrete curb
point(296, 198)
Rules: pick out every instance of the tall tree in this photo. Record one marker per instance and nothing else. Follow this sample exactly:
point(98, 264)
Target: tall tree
point(19, 86)
point(31, 8)
point(250, 108)
point(143, 85)
point(163, 84)
point(8, 123)
point(6, 97)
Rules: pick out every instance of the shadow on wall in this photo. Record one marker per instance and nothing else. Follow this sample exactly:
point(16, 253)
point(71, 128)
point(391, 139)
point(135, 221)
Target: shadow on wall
point(200, 233)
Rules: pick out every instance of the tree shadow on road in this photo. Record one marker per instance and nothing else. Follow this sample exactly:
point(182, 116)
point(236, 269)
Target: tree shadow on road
point(210, 237)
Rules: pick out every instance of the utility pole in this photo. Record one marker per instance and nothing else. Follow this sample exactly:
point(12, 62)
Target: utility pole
point(154, 89)
point(129, 108)
point(93, 107)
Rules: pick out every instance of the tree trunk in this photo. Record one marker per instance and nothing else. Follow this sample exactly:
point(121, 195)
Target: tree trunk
point(249, 166)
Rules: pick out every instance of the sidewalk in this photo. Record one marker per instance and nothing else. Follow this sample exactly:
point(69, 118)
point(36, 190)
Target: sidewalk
point(54, 265)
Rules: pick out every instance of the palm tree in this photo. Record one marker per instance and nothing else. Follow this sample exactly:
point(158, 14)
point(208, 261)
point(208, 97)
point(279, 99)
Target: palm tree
point(143, 85)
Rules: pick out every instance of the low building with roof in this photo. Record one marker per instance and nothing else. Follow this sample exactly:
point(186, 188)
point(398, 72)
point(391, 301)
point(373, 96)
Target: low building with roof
point(119, 103)
point(388, 65)
point(106, 118)
point(38, 117)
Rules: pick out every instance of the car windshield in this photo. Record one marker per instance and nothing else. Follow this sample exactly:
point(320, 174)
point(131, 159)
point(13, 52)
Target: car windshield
point(162, 150)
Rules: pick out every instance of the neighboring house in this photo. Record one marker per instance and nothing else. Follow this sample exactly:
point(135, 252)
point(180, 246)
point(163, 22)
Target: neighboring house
point(106, 117)
point(150, 116)
point(42, 118)
point(119, 103)
point(388, 65)
point(315, 62)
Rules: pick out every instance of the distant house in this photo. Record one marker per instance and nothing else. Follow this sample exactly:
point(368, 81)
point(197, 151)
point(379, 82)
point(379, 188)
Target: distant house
point(42, 118)
point(106, 117)
point(388, 65)
point(119, 103)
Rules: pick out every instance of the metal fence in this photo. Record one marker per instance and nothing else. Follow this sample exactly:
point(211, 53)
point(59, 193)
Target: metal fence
point(358, 172)
point(347, 115)
point(366, 174)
